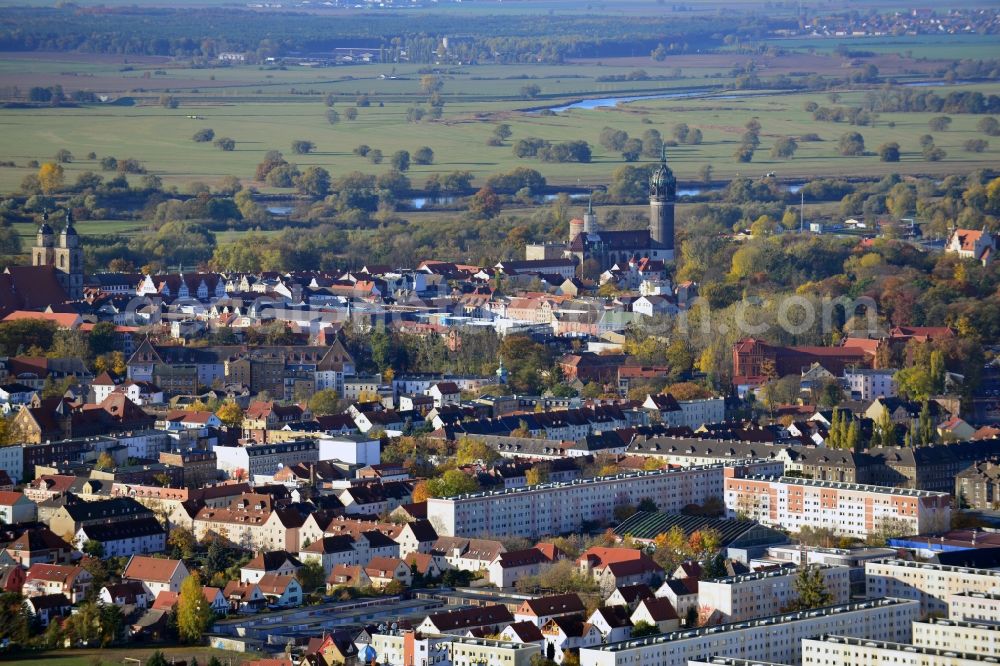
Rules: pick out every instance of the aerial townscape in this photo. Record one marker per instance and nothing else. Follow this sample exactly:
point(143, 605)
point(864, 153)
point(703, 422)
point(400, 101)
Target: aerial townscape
point(499, 333)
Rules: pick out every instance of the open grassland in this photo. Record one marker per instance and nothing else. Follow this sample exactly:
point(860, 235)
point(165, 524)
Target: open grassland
point(161, 138)
point(114, 656)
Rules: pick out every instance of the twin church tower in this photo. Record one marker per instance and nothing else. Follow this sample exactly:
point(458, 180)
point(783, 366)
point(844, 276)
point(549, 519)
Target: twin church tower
point(66, 257)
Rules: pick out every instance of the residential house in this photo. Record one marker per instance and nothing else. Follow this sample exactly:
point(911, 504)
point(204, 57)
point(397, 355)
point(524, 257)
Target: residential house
point(243, 597)
point(16, 508)
point(346, 575)
point(629, 595)
point(979, 245)
point(658, 612)
point(72, 581)
point(277, 562)
point(539, 611)
point(282, 590)
point(47, 607)
point(124, 539)
point(468, 554)
point(491, 618)
point(156, 574)
point(615, 567)
point(512, 566)
point(330, 551)
point(613, 622)
point(382, 571)
point(128, 593)
point(566, 634)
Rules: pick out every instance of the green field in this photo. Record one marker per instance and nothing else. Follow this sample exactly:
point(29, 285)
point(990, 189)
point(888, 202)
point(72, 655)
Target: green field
point(109, 656)
point(161, 138)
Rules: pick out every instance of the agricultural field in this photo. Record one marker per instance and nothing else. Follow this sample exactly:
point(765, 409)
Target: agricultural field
point(162, 138)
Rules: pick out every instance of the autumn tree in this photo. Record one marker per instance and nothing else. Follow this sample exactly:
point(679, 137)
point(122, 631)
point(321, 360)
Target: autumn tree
point(231, 415)
point(485, 204)
point(104, 461)
point(182, 541)
point(50, 177)
point(472, 451)
point(194, 614)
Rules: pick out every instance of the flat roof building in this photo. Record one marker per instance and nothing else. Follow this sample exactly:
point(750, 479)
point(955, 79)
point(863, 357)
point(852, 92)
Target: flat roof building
point(849, 509)
point(978, 637)
point(777, 638)
point(557, 508)
point(764, 593)
point(839, 650)
point(930, 584)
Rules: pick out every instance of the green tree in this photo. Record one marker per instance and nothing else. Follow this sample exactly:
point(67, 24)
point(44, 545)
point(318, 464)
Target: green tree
point(851, 144)
point(643, 628)
point(451, 483)
point(303, 147)
point(225, 143)
point(194, 614)
point(311, 576)
point(203, 135)
point(423, 155)
point(102, 339)
point(314, 181)
point(324, 402)
point(400, 160)
point(811, 588)
point(784, 148)
point(157, 659)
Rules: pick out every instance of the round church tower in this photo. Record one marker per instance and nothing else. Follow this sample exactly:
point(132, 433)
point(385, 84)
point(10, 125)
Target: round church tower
point(662, 197)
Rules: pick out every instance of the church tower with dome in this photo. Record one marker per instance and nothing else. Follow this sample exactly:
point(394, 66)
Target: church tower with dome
point(662, 197)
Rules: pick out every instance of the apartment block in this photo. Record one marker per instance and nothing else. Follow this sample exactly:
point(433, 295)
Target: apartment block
point(775, 639)
point(939, 633)
point(408, 647)
point(557, 508)
point(840, 650)
point(849, 509)
point(975, 606)
point(765, 593)
point(930, 584)
point(265, 459)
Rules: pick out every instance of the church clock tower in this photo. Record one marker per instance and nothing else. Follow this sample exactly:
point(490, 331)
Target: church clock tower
point(662, 197)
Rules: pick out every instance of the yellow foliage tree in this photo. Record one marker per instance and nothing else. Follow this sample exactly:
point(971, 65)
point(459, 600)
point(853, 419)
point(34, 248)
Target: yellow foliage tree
point(193, 611)
point(231, 415)
point(50, 177)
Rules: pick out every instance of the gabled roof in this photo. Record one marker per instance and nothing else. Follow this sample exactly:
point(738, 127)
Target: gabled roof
point(154, 569)
point(272, 560)
point(558, 604)
point(526, 632)
point(659, 608)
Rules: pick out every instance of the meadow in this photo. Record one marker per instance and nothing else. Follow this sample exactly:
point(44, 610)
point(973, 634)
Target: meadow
point(161, 138)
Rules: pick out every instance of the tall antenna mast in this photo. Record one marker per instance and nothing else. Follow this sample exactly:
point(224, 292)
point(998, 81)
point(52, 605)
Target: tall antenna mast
point(802, 208)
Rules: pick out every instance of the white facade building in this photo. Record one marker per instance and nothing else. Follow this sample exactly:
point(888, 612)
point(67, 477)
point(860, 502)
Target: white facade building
point(765, 593)
point(558, 508)
point(777, 638)
point(265, 459)
point(979, 637)
point(12, 462)
point(840, 650)
point(930, 584)
point(865, 384)
point(975, 606)
point(354, 449)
